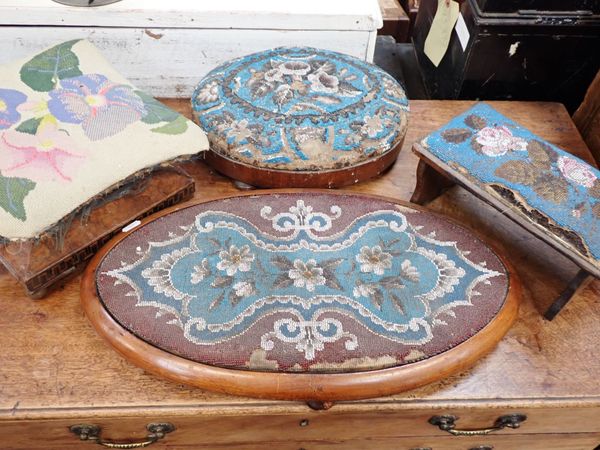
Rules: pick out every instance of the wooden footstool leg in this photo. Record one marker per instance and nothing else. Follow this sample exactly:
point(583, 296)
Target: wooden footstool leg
point(579, 282)
point(430, 184)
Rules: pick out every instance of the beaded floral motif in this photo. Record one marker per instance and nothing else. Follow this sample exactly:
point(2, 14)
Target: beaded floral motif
point(220, 276)
point(300, 108)
point(554, 189)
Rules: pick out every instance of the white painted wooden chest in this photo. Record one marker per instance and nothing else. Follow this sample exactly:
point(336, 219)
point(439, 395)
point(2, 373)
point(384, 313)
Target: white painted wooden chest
point(166, 46)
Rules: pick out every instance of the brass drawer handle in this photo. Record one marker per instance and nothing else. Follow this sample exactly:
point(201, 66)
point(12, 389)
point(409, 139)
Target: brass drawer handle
point(156, 431)
point(447, 423)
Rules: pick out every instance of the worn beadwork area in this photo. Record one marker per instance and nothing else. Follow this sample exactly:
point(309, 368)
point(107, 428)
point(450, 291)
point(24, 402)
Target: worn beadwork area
point(302, 283)
point(553, 189)
point(300, 109)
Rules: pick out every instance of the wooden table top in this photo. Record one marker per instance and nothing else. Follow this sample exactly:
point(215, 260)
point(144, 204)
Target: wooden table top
point(52, 364)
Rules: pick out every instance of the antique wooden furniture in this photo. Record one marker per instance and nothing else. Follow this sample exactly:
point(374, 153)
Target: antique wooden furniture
point(301, 117)
point(538, 185)
point(68, 121)
point(300, 295)
point(395, 20)
point(515, 50)
point(56, 372)
point(46, 261)
point(587, 118)
point(164, 48)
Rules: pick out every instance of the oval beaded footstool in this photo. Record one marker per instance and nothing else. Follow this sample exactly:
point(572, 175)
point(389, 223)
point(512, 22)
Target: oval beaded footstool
point(301, 117)
point(315, 296)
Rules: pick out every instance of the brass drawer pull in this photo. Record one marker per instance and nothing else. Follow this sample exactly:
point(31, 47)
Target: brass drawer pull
point(447, 423)
point(91, 433)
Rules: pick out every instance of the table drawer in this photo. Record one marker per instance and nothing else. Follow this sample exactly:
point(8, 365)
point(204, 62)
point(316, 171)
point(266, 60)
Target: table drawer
point(316, 427)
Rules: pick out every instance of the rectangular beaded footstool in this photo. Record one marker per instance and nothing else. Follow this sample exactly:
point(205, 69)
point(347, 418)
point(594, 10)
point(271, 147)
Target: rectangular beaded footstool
point(548, 191)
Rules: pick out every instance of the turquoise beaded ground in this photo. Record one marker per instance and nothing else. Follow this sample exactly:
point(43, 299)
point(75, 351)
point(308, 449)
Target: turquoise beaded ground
point(301, 109)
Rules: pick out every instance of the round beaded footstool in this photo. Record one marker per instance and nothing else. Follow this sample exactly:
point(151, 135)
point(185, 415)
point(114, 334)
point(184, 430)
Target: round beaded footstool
point(301, 117)
point(315, 296)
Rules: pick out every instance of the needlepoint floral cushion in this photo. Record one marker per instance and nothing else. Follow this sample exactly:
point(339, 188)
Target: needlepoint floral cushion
point(300, 109)
point(72, 127)
point(549, 188)
point(309, 283)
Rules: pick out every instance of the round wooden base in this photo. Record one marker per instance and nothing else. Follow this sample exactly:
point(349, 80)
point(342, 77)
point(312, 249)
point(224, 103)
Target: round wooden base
point(316, 388)
point(274, 178)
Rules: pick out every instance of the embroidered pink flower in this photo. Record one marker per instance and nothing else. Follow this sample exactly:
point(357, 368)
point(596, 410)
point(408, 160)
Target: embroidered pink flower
point(497, 141)
point(576, 171)
point(48, 155)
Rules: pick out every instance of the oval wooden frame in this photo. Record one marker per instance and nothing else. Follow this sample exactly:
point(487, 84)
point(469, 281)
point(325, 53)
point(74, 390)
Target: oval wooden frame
point(296, 386)
point(274, 178)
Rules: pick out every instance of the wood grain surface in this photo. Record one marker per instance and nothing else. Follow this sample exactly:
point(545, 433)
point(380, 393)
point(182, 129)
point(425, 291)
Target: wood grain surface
point(53, 365)
point(310, 387)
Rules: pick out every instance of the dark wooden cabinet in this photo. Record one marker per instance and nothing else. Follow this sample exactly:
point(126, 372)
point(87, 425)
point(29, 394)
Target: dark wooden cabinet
point(516, 51)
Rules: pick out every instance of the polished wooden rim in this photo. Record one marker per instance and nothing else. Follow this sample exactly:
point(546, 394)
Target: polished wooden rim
point(274, 178)
point(296, 386)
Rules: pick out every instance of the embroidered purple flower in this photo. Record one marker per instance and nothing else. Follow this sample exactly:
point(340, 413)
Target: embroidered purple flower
point(497, 141)
point(102, 107)
point(576, 171)
point(9, 100)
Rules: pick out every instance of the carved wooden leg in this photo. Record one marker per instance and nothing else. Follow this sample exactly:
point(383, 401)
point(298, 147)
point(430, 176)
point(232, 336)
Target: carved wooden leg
point(430, 184)
point(579, 282)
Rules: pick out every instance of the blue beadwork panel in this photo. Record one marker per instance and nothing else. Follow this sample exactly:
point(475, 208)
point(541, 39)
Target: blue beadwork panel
point(302, 283)
point(551, 188)
point(300, 109)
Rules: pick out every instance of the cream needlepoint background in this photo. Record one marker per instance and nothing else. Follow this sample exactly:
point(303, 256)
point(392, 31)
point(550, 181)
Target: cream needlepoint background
point(72, 127)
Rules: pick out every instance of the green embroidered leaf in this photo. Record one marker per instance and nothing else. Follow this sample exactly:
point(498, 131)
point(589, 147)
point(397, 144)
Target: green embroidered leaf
point(475, 122)
point(29, 126)
point(551, 188)
point(43, 71)
point(12, 195)
point(457, 135)
point(518, 172)
point(596, 210)
point(156, 112)
point(541, 155)
point(177, 126)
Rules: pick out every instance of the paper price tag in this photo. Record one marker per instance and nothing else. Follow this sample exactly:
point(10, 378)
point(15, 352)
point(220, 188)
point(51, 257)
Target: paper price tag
point(462, 32)
point(438, 38)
